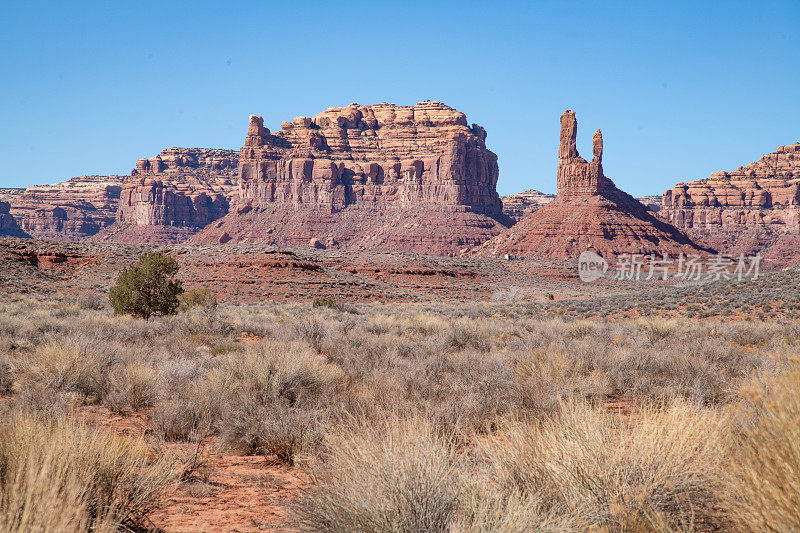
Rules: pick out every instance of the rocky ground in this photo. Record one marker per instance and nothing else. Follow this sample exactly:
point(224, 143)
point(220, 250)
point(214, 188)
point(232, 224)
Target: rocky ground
point(252, 273)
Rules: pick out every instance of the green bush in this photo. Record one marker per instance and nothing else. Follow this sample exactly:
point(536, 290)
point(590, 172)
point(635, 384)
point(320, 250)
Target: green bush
point(146, 288)
point(324, 302)
point(202, 298)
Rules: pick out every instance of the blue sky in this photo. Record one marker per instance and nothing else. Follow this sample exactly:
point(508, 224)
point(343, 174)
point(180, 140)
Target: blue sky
point(679, 89)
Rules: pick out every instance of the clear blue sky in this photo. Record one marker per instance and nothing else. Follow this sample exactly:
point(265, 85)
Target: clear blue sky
point(679, 89)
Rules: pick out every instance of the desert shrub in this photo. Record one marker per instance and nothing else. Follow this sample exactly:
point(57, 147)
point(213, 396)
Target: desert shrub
point(324, 302)
point(277, 430)
point(276, 397)
point(186, 418)
point(6, 375)
point(202, 298)
point(65, 366)
point(91, 302)
point(511, 294)
point(191, 402)
point(469, 334)
point(310, 329)
point(133, 386)
point(658, 329)
point(763, 475)
point(202, 316)
point(596, 470)
point(547, 377)
point(62, 476)
point(398, 475)
point(146, 288)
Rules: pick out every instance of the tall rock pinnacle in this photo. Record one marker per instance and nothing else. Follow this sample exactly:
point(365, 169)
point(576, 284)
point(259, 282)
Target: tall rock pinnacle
point(588, 213)
point(597, 145)
point(569, 133)
point(576, 177)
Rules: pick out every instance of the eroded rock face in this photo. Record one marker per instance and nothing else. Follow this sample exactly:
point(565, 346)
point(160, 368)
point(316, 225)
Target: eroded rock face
point(381, 154)
point(414, 178)
point(71, 210)
point(576, 177)
point(589, 212)
point(180, 187)
point(652, 202)
point(8, 225)
point(516, 206)
point(764, 194)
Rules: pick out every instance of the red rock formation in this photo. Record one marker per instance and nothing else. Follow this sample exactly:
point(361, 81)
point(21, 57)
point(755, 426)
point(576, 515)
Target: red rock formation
point(174, 194)
point(748, 210)
point(764, 194)
point(71, 210)
point(516, 206)
point(10, 194)
point(8, 225)
point(589, 212)
point(376, 176)
point(651, 202)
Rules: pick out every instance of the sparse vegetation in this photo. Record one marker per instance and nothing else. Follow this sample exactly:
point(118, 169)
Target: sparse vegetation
point(763, 489)
point(146, 288)
point(323, 302)
point(61, 476)
point(477, 417)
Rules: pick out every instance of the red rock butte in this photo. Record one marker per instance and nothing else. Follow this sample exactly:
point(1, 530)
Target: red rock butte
point(70, 211)
point(366, 177)
point(589, 212)
point(173, 195)
point(755, 208)
point(765, 193)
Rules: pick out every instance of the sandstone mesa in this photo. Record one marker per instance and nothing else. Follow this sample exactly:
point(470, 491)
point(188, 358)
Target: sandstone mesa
point(765, 193)
point(377, 176)
point(418, 178)
point(751, 209)
point(516, 206)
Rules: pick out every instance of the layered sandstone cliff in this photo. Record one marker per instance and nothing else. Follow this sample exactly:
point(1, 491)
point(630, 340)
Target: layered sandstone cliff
point(71, 210)
point(516, 206)
point(375, 176)
point(174, 194)
point(8, 224)
point(10, 194)
point(589, 212)
point(763, 194)
point(753, 209)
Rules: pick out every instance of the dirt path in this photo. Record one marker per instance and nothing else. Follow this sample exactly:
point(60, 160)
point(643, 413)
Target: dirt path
point(225, 493)
point(237, 493)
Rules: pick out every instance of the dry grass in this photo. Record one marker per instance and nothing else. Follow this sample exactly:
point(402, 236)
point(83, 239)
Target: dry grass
point(61, 476)
point(275, 392)
point(763, 476)
point(133, 387)
point(399, 475)
point(478, 417)
point(587, 468)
